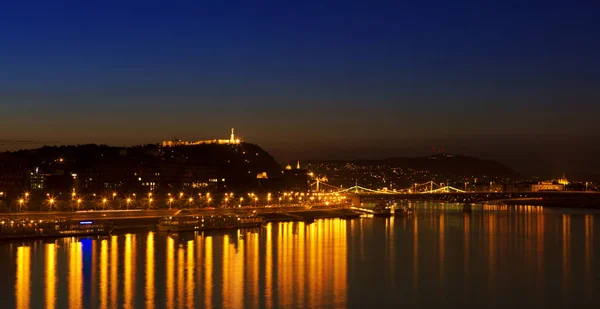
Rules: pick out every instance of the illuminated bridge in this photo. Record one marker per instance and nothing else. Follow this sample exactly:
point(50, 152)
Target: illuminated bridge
point(430, 191)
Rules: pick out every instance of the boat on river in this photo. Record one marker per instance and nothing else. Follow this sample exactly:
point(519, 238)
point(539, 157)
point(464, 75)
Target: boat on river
point(52, 228)
point(189, 222)
point(402, 211)
point(382, 211)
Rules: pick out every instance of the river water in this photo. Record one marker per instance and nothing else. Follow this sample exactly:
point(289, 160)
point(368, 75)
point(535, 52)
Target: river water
point(493, 257)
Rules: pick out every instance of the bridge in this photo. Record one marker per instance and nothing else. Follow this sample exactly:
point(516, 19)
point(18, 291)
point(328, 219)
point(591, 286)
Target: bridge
point(427, 187)
point(431, 191)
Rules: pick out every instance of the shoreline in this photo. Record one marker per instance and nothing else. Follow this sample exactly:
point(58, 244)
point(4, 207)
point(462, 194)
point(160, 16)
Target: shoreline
point(148, 219)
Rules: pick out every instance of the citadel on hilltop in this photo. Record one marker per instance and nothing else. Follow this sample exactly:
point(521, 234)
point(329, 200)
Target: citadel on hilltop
point(176, 142)
point(170, 166)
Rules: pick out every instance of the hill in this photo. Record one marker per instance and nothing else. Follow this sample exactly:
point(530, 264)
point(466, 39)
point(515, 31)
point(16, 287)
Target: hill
point(238, 164)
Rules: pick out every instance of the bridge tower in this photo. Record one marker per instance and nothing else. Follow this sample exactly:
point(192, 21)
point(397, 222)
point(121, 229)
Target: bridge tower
point(318, 180)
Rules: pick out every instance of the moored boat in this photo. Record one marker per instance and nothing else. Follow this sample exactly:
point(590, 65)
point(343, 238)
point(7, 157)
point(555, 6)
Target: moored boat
point(181, 223)
point(54, 228)
point(402, 211)
point(382, 211)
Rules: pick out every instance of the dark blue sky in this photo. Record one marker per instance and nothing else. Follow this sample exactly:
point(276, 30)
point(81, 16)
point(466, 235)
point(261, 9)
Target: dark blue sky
point(509, 81)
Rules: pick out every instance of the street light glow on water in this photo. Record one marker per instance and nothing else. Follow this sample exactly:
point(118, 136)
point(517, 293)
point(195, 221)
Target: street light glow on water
point(526, 256)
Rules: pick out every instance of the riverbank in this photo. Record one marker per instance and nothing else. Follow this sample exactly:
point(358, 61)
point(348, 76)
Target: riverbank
point(142, 220)
point(562, 203)
point(533, 201)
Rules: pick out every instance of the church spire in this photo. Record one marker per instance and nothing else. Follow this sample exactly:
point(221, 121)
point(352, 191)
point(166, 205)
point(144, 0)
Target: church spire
point(298, 165)
point(232, 138)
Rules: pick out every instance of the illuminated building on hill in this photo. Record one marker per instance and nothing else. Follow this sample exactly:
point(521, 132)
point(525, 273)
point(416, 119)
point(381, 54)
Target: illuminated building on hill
point(231, 141)
point(295, 179)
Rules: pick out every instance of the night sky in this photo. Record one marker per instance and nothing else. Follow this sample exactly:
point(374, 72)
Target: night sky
point(515, 82)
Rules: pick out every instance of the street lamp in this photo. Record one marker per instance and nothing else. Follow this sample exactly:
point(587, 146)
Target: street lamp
point(51, 202)
point(21, 201)
point(170, 201)
point(127, 202)
point(79, 203)
point(104, 203)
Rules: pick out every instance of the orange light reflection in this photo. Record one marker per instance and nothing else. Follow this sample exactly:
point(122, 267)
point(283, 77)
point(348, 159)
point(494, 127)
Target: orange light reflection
point(50, 276)
point(23, 273)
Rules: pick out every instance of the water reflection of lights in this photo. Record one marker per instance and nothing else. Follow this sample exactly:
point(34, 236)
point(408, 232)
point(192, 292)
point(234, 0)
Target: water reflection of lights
point(442, 246)
point(589, 249)
point(129, 270)
point(467, 247)
point(326, 252)
point(390, 247)
point(150, 271)
point(170, 272)
point(340, 251)
point(75, 275)
point(208, 266)
point(180, 276)
point(114, 266)
point(225, 271)
point(190, 286)
point(299, 272)
point(540, 233)
point(252, 272)
point(269, 265)
point(50, 276)
point(492, 252)
point(566, 252)
point(416, 255)
point(104, 274)
point(23, 273)
point(237, 276)
point(281, 274)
